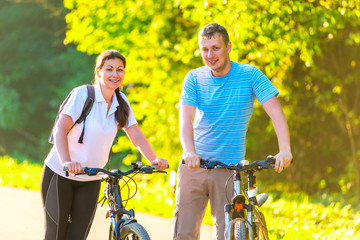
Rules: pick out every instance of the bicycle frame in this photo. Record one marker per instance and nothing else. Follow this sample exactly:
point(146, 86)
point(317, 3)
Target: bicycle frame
point(123, 222)
point(119, 216)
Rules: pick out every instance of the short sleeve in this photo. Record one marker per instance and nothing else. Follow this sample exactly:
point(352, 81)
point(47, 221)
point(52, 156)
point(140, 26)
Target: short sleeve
point(188, 93)
point(263, 89)
point(75, 103)
point(131, 118)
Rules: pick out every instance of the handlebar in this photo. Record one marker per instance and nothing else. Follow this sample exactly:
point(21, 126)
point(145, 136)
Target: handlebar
point(257, 165)
point(269, 162)
point(137, 167)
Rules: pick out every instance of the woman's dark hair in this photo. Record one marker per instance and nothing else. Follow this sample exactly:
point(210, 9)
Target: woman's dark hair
point(123, 110)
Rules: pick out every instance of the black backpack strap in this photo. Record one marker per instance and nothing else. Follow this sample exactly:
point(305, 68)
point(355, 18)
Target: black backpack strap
point(86, 110)
point(88, 103)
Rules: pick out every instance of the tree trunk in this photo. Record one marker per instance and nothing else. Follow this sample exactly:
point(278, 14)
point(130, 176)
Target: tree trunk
point(354, 154)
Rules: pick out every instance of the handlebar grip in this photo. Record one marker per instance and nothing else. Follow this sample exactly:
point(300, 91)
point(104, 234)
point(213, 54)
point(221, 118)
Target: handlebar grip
point(152, 168)
point(66, 170)
point(155, 166)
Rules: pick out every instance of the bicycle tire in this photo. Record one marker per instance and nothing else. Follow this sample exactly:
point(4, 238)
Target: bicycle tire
point(239, 230)
point(261, 229)
point(133, 231)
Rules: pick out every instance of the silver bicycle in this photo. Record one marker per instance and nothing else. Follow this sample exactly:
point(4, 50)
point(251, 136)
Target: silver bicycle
point(243, 218)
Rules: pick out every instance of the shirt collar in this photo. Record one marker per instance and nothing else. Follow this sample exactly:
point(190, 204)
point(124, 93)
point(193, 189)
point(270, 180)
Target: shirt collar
point(98, 95)
point(100, 98)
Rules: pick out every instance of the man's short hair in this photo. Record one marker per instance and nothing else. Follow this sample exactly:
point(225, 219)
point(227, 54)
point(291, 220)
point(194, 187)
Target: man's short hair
point(209, 30)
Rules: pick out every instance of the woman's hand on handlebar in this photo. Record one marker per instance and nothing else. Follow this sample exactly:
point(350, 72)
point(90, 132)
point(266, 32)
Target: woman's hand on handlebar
point(73, 167)
point(192, 160)
point(283, 160)
point(161, 163)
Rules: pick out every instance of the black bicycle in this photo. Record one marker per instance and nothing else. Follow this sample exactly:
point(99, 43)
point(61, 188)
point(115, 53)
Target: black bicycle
point(243, 218)
point(123, 225)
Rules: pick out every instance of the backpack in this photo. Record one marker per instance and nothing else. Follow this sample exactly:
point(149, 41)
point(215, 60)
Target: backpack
point(85, 111)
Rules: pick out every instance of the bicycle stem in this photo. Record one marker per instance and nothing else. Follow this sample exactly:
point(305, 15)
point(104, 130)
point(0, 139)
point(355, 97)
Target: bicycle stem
point(119, 204)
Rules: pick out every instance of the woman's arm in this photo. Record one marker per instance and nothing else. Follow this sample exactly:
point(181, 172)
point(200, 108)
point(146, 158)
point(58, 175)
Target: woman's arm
point(138, 139)
point(62, 127)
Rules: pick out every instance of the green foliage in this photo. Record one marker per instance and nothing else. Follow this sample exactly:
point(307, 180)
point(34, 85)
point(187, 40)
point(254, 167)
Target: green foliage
point(299, 45)
point(297, 213)
point(151, 60)
point(309, 49)
point(154, 195)
point(36, 73)
point(23, 174)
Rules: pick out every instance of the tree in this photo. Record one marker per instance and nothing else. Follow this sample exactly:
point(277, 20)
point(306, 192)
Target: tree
point(282, 38)
point(36, 73)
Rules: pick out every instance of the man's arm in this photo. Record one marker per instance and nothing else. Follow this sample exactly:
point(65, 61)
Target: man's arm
point(275, 112)
point(186, 119)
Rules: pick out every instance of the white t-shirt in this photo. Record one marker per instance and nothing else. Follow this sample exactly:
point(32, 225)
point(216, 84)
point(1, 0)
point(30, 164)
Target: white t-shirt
point(100, 131)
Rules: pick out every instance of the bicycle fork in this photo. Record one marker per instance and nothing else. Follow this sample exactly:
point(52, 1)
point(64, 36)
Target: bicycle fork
point(119, 216)
point(239, 210)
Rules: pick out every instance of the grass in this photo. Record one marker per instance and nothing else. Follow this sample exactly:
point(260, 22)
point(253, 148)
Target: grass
point(300, 218)
point(289, 215)
point(24, 174)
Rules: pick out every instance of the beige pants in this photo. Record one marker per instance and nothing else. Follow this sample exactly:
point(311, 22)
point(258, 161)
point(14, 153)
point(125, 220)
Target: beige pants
point(194, 189)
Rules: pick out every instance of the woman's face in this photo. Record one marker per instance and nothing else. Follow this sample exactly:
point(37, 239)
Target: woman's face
point(112, 73)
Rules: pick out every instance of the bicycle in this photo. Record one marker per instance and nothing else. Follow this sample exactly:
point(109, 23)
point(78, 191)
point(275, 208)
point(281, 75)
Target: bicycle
point(123, 225)
point(243, 218)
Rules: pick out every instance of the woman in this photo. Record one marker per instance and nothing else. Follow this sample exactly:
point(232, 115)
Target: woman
point(77, 196)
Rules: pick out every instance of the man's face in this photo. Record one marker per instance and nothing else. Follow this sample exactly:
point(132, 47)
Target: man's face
point(215, 54)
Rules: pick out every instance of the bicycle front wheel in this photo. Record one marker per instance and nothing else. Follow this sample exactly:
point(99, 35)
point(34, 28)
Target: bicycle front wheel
point(133, 231)
point(239, 230)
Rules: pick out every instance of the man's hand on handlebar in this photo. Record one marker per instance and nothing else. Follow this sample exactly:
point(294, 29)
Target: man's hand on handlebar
point(192, 160)
point(283, 160)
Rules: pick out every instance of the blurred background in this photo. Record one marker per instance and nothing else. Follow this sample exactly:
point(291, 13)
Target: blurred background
point(309, 49)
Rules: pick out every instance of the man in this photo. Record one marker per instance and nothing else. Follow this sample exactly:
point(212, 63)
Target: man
point(215, 108)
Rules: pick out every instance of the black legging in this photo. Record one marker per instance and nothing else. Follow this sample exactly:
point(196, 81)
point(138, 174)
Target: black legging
point(63, 198)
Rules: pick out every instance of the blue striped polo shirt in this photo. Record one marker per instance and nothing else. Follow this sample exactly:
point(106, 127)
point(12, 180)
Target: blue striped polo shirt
point(224, 106)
